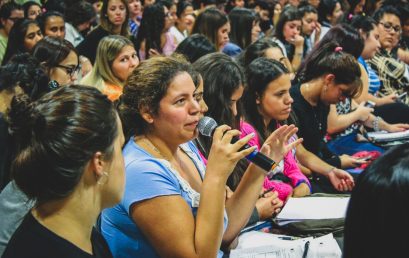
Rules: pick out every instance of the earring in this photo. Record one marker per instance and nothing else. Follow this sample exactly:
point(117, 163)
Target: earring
point(325, 88)
point(103, 178)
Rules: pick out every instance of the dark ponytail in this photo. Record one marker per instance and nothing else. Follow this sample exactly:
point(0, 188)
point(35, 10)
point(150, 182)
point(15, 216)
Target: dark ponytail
point(331, 59)
point(57, 136)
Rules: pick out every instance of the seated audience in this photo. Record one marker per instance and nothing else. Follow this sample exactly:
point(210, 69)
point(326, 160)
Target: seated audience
point(52, 24)
point(10, 12)
point(23, 36)
point(245, 29)
point(79, 17)
point(288, 36)
point(59, 59)
point(179, 31)
point(194, 47)
point(169, 193)
point(32, 9)
point(391, 72)
point(223, 83)
point(116, 59)
point(79, 130)
point(266, 105)
point(379, 198)
point(114, 18)
point(153, 36)
point(215, 25)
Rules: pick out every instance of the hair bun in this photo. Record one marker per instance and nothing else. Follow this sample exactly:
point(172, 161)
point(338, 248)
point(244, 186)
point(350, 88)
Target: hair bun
point(24, 118)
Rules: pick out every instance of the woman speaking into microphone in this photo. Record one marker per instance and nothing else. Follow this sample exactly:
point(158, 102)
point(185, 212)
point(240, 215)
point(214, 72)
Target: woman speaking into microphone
point(173, 205)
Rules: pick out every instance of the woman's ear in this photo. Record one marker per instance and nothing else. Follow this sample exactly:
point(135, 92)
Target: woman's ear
point(98, 164)
point(146, 114)
point(329, 79)
point(258, 99)
point(363, 35)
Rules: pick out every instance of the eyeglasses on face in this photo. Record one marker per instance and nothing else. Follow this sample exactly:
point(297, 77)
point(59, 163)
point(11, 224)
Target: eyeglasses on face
point(14, 19)
point(388, 27)
point(70, 70)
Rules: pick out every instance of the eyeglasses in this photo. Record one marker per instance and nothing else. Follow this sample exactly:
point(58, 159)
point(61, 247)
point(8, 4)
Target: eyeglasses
point(14, 19)
point(70, 70)
point(388, 27)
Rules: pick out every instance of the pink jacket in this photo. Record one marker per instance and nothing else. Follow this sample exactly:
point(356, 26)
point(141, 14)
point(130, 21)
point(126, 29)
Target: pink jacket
point(291, 168)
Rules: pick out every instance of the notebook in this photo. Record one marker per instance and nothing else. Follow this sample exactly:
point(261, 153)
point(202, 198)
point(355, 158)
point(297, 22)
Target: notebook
point(384, 136)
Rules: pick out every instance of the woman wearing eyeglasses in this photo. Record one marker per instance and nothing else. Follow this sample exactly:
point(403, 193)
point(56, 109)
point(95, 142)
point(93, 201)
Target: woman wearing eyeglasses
point(60, 60)
point(154, 37)
point(116, 59)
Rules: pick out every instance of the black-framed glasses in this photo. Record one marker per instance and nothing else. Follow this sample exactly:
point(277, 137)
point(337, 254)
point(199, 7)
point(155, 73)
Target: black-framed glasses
point(14, 19)
point(388, 27)
point(70, 70)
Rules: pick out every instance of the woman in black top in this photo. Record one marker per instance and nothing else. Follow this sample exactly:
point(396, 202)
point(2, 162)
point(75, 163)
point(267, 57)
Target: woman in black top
point(327, 76)
point(70, 162)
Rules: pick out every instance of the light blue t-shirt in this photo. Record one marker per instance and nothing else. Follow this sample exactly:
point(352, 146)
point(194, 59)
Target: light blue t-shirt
point(146, 177)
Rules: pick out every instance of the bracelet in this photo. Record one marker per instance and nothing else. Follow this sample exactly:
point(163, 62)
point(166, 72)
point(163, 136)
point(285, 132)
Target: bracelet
point(331, 170)
point(375, 123)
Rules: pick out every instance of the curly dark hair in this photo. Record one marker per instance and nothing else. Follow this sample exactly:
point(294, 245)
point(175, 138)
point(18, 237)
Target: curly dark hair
point(152, 24)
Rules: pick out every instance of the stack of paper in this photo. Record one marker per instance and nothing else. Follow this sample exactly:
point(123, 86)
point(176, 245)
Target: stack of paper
point(384, 136)
point(265, 245)
point(310, 208)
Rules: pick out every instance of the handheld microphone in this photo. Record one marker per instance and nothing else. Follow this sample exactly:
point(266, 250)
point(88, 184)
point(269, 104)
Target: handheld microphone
point(207, 126)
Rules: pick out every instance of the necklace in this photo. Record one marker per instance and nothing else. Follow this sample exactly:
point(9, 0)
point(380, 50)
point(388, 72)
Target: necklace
point(152, 146)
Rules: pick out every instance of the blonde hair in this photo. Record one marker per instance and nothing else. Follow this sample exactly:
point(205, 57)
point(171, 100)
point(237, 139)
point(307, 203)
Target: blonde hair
point(108, 49)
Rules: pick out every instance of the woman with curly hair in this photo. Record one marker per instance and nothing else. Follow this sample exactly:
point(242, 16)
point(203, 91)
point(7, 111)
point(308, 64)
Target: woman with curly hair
point(153, 36)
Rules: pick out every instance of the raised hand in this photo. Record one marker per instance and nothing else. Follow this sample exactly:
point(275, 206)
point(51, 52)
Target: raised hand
point(276, 145)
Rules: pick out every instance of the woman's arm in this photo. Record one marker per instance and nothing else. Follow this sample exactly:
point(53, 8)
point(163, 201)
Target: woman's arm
point(298, 52)
point(168, 222)
point(241, 204)
point(340, 179)
point(337, 123)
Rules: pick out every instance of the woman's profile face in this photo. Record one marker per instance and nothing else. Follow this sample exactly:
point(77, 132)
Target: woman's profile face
point(126, 61)
point(33, 35)
point(223, 35)
point(372, 44)
point(235, 97)
point(67, 70)
point(275, 102)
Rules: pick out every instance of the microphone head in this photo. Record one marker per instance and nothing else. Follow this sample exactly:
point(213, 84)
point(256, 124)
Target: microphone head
point(206, 126)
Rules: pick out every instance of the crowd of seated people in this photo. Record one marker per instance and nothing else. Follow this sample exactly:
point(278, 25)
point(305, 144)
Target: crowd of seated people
point(100, 104)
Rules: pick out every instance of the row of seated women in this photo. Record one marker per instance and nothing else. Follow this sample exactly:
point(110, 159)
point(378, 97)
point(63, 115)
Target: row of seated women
point(69, 158)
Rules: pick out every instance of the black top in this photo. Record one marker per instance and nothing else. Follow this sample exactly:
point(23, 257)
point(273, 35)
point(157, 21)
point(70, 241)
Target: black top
point(88, 47)
point(33, 240)
point(312, 126)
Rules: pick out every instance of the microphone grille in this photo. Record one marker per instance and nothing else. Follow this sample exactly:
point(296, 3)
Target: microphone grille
point(206, 126)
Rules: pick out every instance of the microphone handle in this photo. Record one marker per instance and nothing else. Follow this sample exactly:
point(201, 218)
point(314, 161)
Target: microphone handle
point(258, 158)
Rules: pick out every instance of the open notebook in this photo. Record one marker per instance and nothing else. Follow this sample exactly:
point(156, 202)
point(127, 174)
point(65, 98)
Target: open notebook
point(384, 136)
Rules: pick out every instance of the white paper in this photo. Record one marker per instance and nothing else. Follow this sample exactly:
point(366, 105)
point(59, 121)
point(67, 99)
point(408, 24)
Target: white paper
point(297, 209)
point(386, 136)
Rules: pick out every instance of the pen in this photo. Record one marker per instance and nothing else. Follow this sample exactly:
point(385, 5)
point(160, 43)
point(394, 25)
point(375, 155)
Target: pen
point(306, 246)
point(267, 191)
point(288, 238)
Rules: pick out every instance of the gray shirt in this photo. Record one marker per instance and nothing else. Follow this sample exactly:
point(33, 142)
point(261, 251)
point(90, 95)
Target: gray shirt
point(14, 205)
